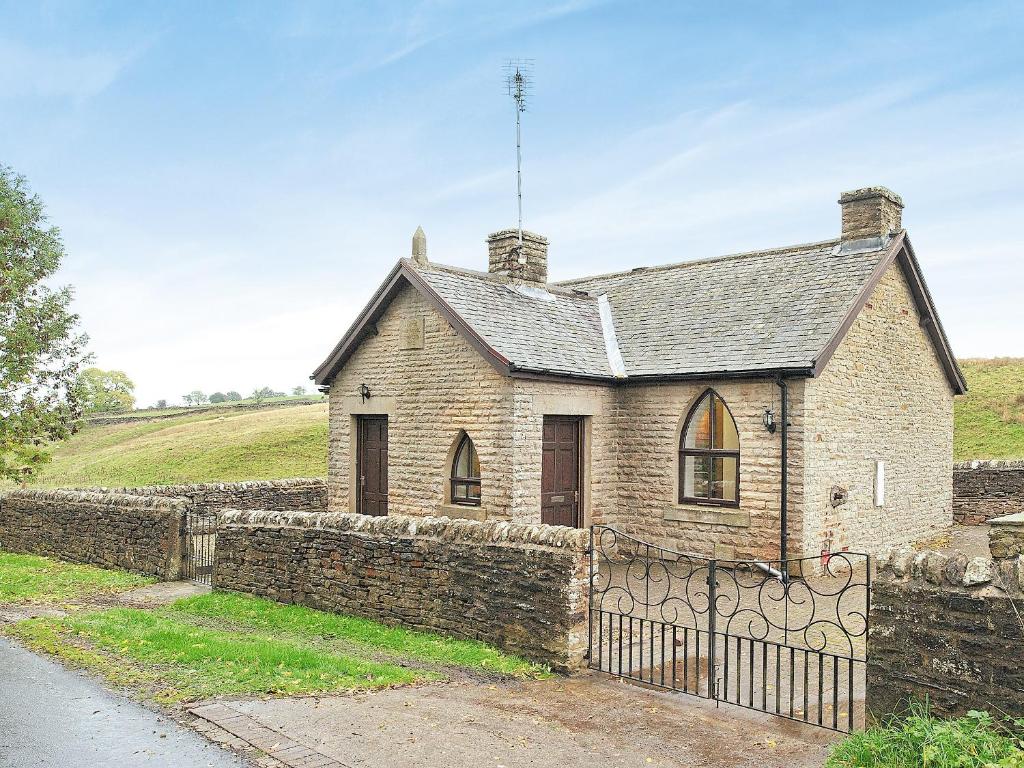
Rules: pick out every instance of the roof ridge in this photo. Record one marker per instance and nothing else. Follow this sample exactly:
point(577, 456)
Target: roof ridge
point(800, 247)
point(554, 288)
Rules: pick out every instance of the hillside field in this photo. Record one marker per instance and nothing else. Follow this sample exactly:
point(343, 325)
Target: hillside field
point(264, 444)
point(989, 419)
point(241, 444)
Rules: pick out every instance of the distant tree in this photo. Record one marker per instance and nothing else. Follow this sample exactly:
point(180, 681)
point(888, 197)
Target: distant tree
point(297, 391)
point(259, 396)
point(232, 396)
point(161, 403)
point(105, 391)
point(218, 397)
point(187, 399)
point(41, 348)
point(198, 398)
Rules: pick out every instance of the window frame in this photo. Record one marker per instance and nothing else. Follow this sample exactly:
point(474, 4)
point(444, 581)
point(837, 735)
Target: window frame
point(456, 480)
point(707, 453)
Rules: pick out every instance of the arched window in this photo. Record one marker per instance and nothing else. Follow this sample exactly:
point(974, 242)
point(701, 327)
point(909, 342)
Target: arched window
point(709, 454)
point(466, 474)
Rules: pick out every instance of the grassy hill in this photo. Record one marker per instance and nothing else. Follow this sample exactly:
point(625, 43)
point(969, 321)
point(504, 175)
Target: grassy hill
point(238, 443)
point(222, 445)
point(989, 421)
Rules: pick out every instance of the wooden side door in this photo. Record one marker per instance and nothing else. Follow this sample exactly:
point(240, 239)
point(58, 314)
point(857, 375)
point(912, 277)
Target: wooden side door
point(560, 472)
point(372, 465)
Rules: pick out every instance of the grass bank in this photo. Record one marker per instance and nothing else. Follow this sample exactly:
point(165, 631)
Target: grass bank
point(989, 419)
point(229, 644)
point(225, 445)
point(30, 578)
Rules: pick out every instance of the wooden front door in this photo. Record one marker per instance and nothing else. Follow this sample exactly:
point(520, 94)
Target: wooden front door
point(372, 465)
point(560, 472)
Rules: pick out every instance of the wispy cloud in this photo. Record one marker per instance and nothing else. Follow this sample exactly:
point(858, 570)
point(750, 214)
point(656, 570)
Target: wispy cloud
point(38, 72)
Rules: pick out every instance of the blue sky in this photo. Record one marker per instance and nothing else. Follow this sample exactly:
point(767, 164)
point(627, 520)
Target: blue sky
point(234, 180)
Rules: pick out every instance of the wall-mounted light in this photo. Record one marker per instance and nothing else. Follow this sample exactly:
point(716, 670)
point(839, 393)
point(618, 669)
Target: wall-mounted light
point(768, 419)
point(364, 392)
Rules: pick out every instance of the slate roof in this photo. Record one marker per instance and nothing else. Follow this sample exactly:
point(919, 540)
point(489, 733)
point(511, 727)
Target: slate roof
point(780, 311)
point(536, 329)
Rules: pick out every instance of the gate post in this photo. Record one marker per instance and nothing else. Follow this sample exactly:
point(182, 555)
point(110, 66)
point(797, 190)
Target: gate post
point(712, 610)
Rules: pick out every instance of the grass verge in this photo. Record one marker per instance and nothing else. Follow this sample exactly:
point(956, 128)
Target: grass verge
point(920, 740)
point(258, 615)
point(228, 644)
point(31, 578)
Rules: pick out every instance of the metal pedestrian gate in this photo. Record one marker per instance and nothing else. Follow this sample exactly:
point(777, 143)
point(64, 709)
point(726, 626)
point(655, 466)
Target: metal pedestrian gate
point(201, 540)
point(784, 638)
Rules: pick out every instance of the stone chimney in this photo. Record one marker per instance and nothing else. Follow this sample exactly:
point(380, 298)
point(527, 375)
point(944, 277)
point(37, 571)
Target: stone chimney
point(505, 257)
point(870, 212)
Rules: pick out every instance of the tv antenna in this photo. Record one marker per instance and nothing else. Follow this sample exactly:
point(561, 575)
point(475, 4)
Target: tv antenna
point(519, 81)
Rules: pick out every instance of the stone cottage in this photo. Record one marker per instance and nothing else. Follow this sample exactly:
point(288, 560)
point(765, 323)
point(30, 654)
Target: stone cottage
point(790, 401)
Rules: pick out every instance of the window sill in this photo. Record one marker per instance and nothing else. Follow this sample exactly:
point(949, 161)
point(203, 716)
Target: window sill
point(712, 515)
point(463, 512)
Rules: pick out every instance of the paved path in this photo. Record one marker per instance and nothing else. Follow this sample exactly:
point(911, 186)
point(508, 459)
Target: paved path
point(50, 716)
point(581, 722)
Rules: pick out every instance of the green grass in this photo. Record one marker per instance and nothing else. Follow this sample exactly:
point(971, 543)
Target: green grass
point(30, 578)
point(989, 419)
point(230, 644)
point(922, 741)
point(214, 446)
point(257, 614)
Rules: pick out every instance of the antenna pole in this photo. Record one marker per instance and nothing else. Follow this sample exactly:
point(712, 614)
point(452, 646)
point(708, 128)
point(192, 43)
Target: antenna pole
point(519, 174)
point(518, 80)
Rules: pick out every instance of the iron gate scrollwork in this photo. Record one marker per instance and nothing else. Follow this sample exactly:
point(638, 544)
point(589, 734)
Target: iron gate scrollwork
point(787, 638)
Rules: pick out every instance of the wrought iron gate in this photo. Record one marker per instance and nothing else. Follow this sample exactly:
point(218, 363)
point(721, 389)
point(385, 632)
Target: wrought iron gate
point(201, 540)
point(784, 638)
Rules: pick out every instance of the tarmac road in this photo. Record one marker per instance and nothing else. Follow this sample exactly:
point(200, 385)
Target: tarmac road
point(50, 716)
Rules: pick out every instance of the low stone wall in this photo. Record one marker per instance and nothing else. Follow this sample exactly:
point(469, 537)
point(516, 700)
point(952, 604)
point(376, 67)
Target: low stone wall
point(947, 628)
point(299, 494)
point(142, 534)
point(1006, 537)
point(986, 489)
point(520, 587)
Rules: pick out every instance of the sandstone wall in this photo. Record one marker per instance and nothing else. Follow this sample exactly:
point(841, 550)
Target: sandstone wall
point(986, 489)
point(430, 396)
point(142, 534)
point(651, 419)
point(882, 396)
point(519, 587)
point(949, 629)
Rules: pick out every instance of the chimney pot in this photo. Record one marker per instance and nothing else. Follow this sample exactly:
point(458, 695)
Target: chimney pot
point(870, 212)
point(528, 263)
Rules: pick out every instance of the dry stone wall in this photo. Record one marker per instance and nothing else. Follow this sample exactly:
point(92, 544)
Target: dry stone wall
point(949, 628)
point(300, 494)
point(142, 534)
point(519, 587)
point(986, 489)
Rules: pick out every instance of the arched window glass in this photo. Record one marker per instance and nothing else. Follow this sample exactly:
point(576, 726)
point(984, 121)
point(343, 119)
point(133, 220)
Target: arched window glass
point(466, 474)
point(709, 454)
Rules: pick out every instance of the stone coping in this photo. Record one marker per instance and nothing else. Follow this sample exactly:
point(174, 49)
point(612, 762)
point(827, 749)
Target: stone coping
point(1007, 464)
point(408, 526)
point(1016, 519)
point(951, 570)
point(172, 490)
point(99, 498)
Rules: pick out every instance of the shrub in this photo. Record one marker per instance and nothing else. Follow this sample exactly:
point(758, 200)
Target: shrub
point(919, 740)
